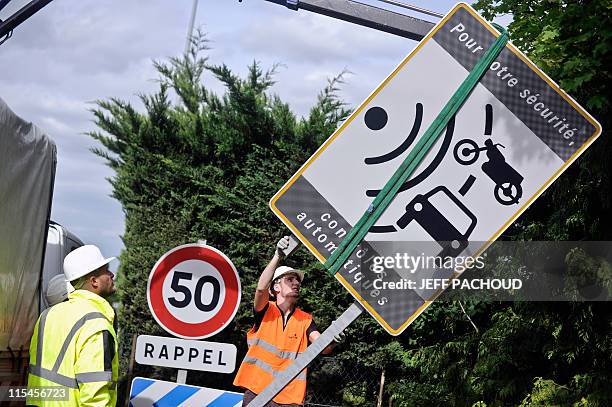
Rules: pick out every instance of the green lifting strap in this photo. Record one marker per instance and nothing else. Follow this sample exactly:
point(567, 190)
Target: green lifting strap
point(417, 154)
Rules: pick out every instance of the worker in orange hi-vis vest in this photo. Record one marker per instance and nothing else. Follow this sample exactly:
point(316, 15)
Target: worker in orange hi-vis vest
point(280, 333)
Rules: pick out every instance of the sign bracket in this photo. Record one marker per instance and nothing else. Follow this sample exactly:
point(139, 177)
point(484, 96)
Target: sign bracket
point(181, 376)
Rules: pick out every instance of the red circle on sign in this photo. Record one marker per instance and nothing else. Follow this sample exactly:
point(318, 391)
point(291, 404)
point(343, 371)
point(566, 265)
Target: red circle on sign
point(155, 294)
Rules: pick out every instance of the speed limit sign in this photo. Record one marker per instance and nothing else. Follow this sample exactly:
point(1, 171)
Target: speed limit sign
point(193, 291)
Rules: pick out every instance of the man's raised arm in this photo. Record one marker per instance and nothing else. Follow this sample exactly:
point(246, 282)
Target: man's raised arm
point(263, 285)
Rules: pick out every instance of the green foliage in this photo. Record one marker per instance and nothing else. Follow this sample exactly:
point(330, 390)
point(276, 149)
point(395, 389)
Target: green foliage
point(355, 394)
point(571, 41)
point(547, 392)
point(195, 165)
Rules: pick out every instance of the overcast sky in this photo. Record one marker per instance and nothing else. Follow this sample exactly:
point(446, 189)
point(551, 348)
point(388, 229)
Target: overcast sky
point(76, 51)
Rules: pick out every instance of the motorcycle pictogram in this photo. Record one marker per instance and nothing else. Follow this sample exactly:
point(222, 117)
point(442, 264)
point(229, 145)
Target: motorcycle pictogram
point(507, 180)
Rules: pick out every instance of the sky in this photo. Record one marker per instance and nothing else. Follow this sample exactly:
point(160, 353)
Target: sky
point(74, 52)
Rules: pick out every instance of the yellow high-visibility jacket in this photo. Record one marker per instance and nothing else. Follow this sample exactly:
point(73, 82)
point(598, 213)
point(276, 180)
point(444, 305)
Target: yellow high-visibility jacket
point(75, 346)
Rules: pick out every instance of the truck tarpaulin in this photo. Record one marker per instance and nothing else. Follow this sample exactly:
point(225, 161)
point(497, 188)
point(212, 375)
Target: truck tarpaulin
point(27, 170)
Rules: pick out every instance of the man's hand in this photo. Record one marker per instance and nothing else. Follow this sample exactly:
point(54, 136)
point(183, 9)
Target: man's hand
point(282, 245)
point(339, 338)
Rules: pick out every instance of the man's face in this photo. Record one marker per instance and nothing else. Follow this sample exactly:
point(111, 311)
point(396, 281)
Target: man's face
point(105, 281)
point(288, 286)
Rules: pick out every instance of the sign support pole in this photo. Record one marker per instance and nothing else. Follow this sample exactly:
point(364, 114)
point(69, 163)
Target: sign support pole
point(308, 356)
point(181, 375)
point(130, 369)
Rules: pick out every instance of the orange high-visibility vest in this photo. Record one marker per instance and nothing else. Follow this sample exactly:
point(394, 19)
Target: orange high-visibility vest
point(271, 350)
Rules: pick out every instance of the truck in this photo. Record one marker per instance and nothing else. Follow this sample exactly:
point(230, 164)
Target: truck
point(32, 247)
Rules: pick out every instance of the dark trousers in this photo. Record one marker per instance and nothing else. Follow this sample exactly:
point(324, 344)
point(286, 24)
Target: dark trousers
point(249, 396)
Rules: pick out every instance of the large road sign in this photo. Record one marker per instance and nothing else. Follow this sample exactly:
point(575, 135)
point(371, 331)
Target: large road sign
point(193, 291)
point(515, 134)
point(149, 393)
point(186, 354)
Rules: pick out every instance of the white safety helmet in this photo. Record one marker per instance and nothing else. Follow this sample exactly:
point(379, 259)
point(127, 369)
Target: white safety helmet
point(58, 289)
point(281, 271)
point(83, 261)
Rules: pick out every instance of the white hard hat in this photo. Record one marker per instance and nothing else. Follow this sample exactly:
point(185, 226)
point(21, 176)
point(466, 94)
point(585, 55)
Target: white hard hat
point(83, 261)
point(282, 270)
point(58, 289)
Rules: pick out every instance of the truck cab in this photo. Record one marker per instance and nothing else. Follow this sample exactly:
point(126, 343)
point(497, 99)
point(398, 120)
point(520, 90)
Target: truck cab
point(60, 242)
point(14, 359)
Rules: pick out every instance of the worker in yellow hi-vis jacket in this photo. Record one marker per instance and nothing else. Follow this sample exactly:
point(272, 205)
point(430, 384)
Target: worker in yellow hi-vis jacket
point(73, 352)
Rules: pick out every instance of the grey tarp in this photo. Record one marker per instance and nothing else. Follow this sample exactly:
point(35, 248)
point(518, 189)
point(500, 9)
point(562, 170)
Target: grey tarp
point(27, 169)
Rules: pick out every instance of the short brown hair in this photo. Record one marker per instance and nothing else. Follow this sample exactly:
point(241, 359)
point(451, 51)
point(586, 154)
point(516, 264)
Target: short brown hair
point(79, 282)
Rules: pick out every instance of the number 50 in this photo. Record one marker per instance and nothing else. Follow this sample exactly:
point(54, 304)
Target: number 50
point(177, 287)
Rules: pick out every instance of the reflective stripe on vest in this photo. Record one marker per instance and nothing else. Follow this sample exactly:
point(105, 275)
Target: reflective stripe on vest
point(70, 382)
point(91, 377)
point(53, 375)
point(283, 354)
point(267, 368)
point(41, 331)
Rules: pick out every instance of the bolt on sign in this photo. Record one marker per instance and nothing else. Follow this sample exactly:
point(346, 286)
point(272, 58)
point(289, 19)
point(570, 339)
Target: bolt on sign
point(513, 136)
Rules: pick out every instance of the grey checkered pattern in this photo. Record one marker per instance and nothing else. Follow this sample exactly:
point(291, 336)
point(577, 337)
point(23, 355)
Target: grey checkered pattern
point(395, 306)
point(527, 79)
point(302, 197)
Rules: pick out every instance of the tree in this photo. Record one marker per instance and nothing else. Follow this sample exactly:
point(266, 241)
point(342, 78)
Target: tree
point(196, 165)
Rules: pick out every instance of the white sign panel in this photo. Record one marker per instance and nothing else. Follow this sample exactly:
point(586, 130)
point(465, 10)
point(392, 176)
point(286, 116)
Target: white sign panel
point(514, 135)
point(186, 354)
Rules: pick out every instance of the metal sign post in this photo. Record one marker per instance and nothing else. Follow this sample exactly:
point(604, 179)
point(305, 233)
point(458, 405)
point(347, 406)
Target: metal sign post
point(194, 10)
point(181, 376)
